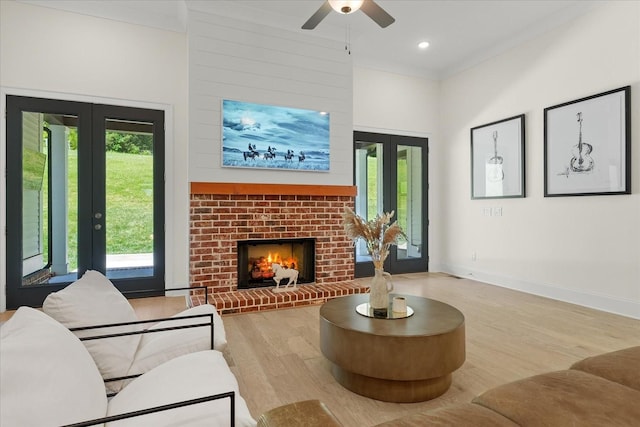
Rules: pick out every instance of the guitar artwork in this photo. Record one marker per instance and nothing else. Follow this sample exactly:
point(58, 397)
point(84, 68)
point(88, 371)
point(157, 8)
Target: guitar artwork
point(581, 161)
point(494, 164)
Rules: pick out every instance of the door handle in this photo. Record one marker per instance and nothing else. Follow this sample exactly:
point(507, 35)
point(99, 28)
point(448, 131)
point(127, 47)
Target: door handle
point(98, 215)
point(98, 226)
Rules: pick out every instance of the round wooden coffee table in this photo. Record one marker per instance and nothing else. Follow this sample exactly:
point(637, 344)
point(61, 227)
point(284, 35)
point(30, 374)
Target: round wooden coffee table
point(394, 360)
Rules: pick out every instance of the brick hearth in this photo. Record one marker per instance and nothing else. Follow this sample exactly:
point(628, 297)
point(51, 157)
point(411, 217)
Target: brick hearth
point(265, 299)
point(223, 213)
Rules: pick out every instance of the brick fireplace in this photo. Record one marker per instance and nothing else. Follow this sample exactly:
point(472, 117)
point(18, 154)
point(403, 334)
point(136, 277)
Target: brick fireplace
point(257, 258)
point(222, 214)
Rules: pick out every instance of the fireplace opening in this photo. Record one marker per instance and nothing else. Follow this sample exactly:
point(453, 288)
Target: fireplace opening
point(256, 259)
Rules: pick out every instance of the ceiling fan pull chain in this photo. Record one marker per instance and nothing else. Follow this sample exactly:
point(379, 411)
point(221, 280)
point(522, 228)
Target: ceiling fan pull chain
point(347, 42)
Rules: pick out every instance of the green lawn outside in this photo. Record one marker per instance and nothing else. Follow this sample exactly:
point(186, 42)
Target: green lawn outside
point(129, 213)
point(372, 200)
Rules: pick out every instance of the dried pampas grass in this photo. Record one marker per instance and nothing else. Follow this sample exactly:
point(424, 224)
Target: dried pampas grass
point(377, 234)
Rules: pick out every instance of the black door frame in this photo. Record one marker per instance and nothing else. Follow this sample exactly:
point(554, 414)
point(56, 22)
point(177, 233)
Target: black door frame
point(390, 143)
point(90, 130)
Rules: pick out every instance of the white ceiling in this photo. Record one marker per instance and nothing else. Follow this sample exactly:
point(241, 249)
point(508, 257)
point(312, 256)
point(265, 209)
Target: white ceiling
point(461, 33)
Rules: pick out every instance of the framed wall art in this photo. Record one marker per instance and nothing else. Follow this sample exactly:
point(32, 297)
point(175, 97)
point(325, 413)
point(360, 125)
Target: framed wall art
point(274, 137)
point(498, 159)
point(587, 145)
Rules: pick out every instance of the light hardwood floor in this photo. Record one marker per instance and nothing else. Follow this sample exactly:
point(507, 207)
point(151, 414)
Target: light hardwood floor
point(276, 357)
point(510, 335)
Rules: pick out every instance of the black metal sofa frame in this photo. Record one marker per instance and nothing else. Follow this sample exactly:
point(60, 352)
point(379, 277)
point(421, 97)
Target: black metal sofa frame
point(230, 395)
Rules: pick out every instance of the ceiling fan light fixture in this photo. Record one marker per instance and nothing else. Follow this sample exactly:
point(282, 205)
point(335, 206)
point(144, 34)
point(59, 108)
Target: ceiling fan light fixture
point(345, 6)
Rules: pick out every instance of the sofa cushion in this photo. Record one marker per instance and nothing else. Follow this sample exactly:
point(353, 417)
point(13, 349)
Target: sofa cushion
point(186, 377)
point(621, 366)
point(47, 377)
point(219, 334)
point(460, 415)
point(558, 398)
point(159, 347)
point(94, 300)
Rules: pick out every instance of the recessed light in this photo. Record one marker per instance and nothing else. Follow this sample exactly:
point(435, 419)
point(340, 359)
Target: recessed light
point(423, 45)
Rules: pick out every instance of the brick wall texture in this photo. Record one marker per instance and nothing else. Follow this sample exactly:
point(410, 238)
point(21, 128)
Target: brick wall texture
point(217, 222)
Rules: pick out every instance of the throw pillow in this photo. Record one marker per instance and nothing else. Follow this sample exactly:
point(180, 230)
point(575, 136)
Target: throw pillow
point(94, 300)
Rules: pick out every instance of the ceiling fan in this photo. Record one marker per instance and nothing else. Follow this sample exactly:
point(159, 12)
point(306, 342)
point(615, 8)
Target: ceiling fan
point(369, 7)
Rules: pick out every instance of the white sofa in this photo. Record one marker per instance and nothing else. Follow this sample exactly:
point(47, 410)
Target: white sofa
point(48, 378)
point(94, 300)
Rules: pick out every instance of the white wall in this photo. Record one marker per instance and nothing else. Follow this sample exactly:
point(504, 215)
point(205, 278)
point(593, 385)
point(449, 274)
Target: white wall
point(239, 60)
point(388, 102)
point(391, 103)
point(580, 249)
point(49, 53)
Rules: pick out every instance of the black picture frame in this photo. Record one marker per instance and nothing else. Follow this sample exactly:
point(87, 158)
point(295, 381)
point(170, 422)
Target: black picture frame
point(587, 145)
point(498, 159)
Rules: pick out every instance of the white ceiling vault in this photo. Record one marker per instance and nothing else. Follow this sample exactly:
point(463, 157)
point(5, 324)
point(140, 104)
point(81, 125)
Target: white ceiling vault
point(461, 33)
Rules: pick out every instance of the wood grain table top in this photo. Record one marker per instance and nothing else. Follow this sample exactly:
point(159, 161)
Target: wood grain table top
point(431, 317)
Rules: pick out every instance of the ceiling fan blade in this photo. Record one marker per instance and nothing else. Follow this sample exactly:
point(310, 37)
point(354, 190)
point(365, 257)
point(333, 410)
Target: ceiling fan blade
point(378, 14)
point(320, 14)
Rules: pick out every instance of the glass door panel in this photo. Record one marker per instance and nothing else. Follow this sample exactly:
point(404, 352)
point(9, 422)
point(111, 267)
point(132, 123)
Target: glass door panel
point(49, 198)
point(369, 201)
point(409, 200)
point(129, 213)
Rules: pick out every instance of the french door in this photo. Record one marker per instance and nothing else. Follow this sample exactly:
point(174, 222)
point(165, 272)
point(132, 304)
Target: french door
point(85, 190)
point(391, 175)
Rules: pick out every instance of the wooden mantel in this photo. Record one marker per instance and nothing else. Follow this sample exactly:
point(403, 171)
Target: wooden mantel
point(272, 189)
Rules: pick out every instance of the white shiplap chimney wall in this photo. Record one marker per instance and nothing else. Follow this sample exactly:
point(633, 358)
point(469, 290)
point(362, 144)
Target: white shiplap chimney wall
point(239, 60)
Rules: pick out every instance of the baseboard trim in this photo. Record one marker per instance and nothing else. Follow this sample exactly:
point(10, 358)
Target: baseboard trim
point(606, 303)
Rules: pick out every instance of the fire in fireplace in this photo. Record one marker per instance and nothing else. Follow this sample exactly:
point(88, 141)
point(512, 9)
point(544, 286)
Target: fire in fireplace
point(256, 257)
